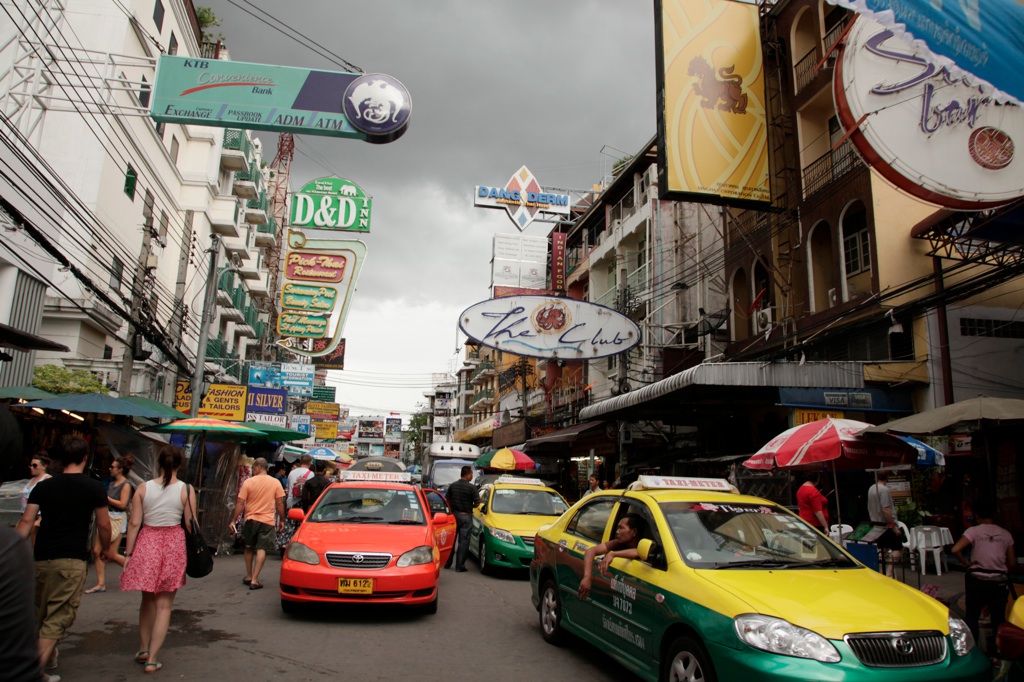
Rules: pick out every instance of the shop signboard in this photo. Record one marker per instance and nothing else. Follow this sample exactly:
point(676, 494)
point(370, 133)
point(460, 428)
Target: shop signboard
point(326, 431)
point(393, 430)
point(214, 92)
point(370, 430)
point(332, 204)
point(297, 379)
point(303, 424)
point(311, 298)
point(806, 416)
point(324, 393)
point(224, 401)
point(322, 411)
point(549, 327)
point(183, 397)
point(266, 400)
point(301, 325)
point(265, 374)
point(267, 418)
point(523, 199)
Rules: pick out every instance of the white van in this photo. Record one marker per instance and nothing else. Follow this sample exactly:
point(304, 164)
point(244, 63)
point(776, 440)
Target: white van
point(443, 462)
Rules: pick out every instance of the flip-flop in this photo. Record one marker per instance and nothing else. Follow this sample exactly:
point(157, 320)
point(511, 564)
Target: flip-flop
point(247, 581)
point(142, 656)
point(256, 586)
point(153, 667)
point(94, 590)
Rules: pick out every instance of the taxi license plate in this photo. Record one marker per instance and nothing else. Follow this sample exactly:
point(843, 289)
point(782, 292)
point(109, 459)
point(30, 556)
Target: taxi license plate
point(355, 585)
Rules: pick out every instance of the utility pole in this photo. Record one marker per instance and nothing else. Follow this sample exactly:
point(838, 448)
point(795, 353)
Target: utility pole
point(124, 386)
point(204, 327)
point(184, 258)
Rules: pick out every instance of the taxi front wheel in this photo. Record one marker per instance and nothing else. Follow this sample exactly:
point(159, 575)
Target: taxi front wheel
point(687, 661)
point(551, 614)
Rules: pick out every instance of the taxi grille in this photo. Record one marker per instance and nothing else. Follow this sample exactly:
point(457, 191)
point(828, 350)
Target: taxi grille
point(898, 649)
point(358, 560)
point(527, 540)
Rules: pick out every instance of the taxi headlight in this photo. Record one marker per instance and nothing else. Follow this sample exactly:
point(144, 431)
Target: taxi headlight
point(781, 637)
point(960, 634)
point(424, 554)
point(300, 552)
point(503, 535)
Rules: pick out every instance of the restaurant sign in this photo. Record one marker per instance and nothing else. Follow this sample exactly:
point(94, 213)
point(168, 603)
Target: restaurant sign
point(332, 204)
point(938, 138)
point(216, 92)
point(549, 327)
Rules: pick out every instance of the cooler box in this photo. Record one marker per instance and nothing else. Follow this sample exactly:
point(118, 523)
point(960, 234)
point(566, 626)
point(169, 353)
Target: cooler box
point(865, 553)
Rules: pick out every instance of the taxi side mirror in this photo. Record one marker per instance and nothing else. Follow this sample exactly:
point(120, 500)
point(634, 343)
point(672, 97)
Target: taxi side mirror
point(296, 514)
point(483, 508)
point(644, 549)
point(441, 518)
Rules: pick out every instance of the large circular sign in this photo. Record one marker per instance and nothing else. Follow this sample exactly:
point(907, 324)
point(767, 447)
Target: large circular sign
point(379, 106)
point(938, 138)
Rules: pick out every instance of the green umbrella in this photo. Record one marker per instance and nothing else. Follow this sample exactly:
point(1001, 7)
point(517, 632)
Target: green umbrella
point(99, 403)
point(168, 412)
point(24, 393)
point(276, 433)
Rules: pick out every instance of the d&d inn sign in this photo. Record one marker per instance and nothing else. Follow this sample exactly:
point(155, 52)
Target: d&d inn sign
point(212, 92)
point(549, 327)
point(332, 204)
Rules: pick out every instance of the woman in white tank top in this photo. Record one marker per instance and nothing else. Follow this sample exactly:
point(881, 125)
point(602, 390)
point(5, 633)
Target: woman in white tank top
point(155, 552)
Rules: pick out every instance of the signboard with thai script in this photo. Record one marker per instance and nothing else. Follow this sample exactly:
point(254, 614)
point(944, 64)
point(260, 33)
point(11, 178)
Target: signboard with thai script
point(297, 379)
point(523, 199)
point(332, 204)
point(310, 298)
point(549, 327)
point(224, 401)
point(229, 94)
point(938, 138)
point(712, 128)
point(272, 400)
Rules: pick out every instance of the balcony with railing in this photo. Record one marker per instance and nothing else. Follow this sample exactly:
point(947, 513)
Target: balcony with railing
point(482, 401)
point(608, 298)
point(834, 33)
point(236, 154)
point(266, 234)
point(245, 182)
point(256, 210)
point(485, 370)
point(807, 68)
point(828, 168)
point(223, 216)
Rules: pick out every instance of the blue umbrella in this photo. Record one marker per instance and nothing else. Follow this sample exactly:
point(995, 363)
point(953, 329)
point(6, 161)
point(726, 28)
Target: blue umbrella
point(927, 456)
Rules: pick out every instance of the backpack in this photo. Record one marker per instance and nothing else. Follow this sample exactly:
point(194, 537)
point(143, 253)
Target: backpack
point(297, 489)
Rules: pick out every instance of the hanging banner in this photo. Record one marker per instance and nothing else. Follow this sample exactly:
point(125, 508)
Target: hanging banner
point(712, 128)
point(332, 204)
point(284, 99)
point(558, 261)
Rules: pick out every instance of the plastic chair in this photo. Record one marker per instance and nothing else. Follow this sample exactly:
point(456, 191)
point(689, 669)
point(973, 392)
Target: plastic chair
point(908, 545)
point(929, 539)
point(840, 533)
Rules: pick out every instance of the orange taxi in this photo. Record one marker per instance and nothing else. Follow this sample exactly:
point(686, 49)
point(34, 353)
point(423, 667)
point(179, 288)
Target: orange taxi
point(370, 539)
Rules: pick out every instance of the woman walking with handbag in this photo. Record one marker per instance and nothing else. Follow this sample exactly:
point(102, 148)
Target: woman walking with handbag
point(155, 552)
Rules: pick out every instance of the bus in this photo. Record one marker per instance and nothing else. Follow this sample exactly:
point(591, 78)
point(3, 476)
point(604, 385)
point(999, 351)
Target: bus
point(443, 462)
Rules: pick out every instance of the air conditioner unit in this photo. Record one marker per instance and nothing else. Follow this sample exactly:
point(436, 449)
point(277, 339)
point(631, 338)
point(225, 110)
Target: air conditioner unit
point(763, 320)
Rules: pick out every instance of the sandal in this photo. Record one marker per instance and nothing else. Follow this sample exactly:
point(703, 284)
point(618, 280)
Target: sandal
point(51, 664)
point(94, 590)
point(247, 581)
point(142, 656)
point(153, 667)
point(255, 586)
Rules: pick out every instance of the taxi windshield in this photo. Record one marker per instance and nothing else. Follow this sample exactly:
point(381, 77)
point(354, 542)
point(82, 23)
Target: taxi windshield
point(368, 505)
point(751, 536)
point(531, 502)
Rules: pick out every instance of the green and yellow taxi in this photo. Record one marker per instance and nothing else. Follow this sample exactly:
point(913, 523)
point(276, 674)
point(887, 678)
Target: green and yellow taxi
point(733, 587)
point(513, 509)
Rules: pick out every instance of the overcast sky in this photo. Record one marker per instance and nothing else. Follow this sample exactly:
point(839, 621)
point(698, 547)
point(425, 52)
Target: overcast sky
point(564, 87)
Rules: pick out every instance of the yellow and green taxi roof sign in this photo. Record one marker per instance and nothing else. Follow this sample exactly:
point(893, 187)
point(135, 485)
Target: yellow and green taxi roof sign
point(332, 204)
point(213, 92)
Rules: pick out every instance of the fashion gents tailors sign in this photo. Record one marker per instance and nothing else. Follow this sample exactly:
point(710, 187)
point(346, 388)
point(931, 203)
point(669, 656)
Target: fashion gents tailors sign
point(523, 199)
point(938, 138)
point(549, 327)
point(212, 92)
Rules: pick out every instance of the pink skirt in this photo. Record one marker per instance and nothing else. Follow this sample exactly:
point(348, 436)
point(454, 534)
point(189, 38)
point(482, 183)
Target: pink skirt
point(157, 563)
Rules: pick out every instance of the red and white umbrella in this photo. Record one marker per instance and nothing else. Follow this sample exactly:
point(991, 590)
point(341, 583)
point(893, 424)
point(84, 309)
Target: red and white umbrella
point(826, 440)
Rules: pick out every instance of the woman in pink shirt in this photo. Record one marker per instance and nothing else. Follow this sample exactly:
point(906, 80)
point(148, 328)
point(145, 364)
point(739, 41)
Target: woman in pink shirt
point(813, 506)
point(992, 557)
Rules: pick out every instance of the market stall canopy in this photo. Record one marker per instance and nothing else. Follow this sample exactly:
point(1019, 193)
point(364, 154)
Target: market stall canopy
point(566, 435)
point(99, 403)
point(506, 459)
point(24, 393)
point(927, 456)
point(212, 429)
point(276, 433)
point(973, 414)
point(979, 39)
point(828, 440)
point(168, 411)
point(19, 340)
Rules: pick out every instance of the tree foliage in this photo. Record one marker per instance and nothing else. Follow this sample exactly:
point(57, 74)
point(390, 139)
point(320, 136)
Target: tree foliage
point(59, 379)
point(414, 435)
point(207, 19)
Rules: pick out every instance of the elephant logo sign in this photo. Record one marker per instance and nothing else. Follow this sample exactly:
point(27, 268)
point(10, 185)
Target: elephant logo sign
point(379, 106)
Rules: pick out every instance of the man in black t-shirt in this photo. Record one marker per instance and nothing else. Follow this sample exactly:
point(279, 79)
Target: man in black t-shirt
point(67, 503)
point(314, 486)
point(462, 498)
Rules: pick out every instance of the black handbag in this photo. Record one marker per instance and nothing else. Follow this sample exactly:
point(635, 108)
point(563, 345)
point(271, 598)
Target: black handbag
point(198, 558)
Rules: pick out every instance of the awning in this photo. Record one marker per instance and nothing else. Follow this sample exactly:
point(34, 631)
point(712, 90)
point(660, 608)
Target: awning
point(481, 430)
point(738, 374)
point(19, 340)
point(566, 435)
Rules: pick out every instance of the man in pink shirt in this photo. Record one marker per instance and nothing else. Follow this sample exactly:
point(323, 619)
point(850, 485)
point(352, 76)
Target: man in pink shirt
point(260, 496)
point(992, 557)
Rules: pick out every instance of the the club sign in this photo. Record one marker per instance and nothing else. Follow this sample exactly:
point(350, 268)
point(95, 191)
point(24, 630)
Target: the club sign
point(549, 327)
point(332, 204)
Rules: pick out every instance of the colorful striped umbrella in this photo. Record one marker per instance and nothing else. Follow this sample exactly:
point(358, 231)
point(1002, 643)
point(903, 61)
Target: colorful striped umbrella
point(830, 439)
point(506, 459)
point(213, 429)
